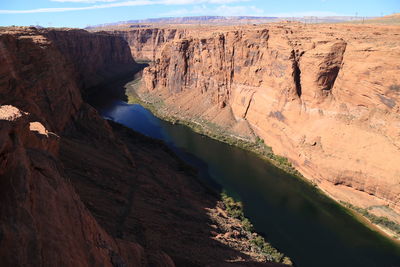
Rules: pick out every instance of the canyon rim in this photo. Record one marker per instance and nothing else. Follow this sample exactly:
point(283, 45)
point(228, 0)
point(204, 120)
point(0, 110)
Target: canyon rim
point(317, 94)
point(316, 99)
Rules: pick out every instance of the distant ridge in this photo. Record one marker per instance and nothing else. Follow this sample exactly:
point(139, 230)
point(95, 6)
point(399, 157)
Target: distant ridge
point(393, 19)
point(191, 20)
point(200, 18)
point(228, 20)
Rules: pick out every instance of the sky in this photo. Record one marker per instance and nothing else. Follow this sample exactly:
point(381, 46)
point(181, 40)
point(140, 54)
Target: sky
point(82, 13)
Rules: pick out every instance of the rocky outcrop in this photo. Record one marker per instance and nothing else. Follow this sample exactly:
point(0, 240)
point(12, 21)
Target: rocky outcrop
point(145, 42)
point(41, 70)
point(76, 191)
point(326, 97)
point(31, 81)
point(96, 57)
point(43, 221)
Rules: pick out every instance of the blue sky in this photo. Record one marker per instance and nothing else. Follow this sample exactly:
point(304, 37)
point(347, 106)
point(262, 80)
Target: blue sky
point(80, 13)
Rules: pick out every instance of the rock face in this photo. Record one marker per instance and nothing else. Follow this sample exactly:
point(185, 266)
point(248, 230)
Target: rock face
point(41, 70)
point(76, 191)
point(43, 221)
point(96, 58)
point(145, 43)
point(326, 97)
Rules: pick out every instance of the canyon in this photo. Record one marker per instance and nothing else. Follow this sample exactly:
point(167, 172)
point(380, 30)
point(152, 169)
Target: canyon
point(324, 96)
point(77, 190)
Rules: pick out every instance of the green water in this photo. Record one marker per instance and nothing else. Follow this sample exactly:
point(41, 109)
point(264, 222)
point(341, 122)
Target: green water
point(305, 225)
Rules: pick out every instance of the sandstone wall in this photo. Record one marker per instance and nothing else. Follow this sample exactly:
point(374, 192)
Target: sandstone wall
point(145, 42)
point(43, 70)
point(75, 191)
point(326, 97)
point(96, 57)
point(43, 222)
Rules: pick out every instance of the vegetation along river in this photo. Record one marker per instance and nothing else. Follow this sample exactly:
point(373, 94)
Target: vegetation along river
point(294, 217)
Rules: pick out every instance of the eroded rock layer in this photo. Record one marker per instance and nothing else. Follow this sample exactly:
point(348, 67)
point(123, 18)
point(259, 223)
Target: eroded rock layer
point(76, 191)
point(326, 97)
point(43, 221)
point(146, 42)
point(96, 57)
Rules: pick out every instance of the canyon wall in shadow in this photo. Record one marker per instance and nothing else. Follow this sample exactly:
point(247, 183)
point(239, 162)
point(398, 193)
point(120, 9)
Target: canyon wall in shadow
point(77, 190)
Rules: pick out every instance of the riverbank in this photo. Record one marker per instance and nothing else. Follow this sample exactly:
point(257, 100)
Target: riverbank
point(227, 225)
point(289, 213)
point(239, 232)
point(157, 107)
point(384, 225)
point(257, 146)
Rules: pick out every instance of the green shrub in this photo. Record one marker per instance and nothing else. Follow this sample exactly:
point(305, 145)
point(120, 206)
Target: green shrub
point(247, 225)
point(235, 209)
point(258, 242)
point(379, 220)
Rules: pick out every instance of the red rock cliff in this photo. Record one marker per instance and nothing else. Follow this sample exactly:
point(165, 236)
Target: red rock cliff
point(96, 57)
point(326, 97)
point(145, 42)
point(75, 191)
point(41, 69)
point(43, 222)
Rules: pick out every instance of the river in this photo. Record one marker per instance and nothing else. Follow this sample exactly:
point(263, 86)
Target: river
point(295, 218)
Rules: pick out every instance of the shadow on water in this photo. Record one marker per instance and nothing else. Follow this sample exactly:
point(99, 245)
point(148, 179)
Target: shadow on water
point(307, 226)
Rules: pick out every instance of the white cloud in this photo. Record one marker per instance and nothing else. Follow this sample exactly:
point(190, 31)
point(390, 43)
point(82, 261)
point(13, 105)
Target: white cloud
point(187, 2)
point(165, 2)
point(64, 9)
point(200, 9)
point(82, 1)
point(118, 4)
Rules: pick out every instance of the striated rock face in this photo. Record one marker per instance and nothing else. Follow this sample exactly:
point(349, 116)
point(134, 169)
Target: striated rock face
point(32, 82)
point(144, 43)
point(42, 69)
point(96, 57)
point(43, 221)
point(325, 97)
point(75, 191)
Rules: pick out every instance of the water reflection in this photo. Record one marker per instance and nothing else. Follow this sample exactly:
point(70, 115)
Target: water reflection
point(303, 224)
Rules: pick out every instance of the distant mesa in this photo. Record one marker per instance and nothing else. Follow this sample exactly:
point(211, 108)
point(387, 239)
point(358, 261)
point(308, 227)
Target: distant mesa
point(225, 20)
